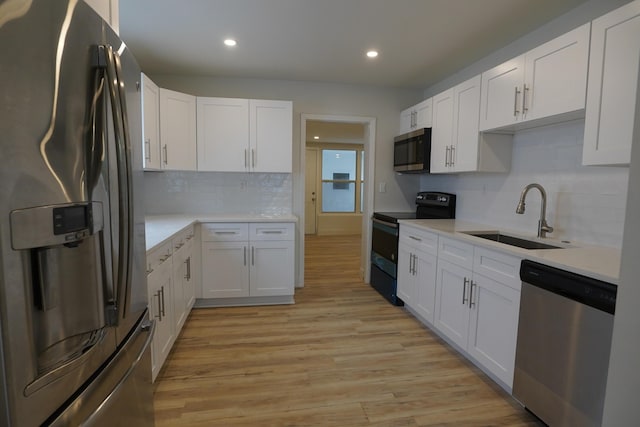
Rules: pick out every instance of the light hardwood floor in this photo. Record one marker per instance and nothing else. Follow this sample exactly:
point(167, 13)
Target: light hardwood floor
point(341, 356)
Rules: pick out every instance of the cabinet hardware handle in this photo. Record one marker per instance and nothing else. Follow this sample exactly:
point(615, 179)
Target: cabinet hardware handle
point(162, 313)
point(253, 256)
point(188, 262)
point(411, 264)
point(271, 231)
point(159, 315)
point(245, 255)
point(464, 290)
point(147, 152)
point(525, 89)
point(166, 154)
point(415, 238)
point(471, 301)
point(446, 156)
point(515, 102)
point(246, 158)
point(253, 158)
point(415, 264)
point(226, 232)
point(453, 150)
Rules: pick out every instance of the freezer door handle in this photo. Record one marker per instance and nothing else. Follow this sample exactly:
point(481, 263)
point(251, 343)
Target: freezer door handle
point(147, 326)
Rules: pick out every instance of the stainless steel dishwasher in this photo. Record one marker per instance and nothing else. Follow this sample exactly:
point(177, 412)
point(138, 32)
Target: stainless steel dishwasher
point(564, 340)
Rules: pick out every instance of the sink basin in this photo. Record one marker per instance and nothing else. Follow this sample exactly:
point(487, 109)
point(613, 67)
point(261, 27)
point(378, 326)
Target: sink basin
point(513, 241)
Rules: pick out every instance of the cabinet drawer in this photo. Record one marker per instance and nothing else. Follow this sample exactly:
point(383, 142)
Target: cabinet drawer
point(271, 231)
point(182, 237)
point(421, 240)
point(456, 252)
point(498, 266)
point(158, 256)
point(225, 232)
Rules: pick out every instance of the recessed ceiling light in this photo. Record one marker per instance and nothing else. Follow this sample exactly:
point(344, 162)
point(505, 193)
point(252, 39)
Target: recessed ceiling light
point(372, 53)
point(316, 137)
point(230, 42)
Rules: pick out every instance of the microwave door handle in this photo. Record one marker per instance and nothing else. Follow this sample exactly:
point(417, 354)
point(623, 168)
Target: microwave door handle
point(116, 92)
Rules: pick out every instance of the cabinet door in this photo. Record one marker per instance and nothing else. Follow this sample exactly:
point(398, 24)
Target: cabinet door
point(271, 268)
point(452, 310)
point(442, 131)
point(406, 279)
point(424, 114)
point(270, 136)
point(556, 75)
point(225, 272)
point(177, 130)
point(425, 285)
point(613, 82)
point(189, 281)
point(223, 134)
point(179, 273)
point(151, 124)
point(406, 120)
point(466, 115)
point(159, 283)
point(493, 326)
point(501, 96)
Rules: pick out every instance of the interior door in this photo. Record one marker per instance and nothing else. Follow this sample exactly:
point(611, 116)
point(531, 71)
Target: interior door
point(311, 191)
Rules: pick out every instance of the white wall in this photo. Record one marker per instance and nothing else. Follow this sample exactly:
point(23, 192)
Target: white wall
point(621, 407)
point(584, 203)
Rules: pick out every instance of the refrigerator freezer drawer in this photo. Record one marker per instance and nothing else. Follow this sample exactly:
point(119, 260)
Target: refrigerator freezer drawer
point(121, 394)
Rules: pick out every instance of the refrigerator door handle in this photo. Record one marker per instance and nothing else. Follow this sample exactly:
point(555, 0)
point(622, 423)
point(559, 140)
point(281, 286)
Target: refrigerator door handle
point(123, 149)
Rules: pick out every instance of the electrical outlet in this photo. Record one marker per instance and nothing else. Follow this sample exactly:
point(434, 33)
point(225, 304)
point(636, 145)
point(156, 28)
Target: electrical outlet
point(382, 187)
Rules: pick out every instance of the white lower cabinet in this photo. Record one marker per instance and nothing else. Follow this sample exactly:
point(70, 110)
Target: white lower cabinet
point(417, 270)
point(470, 296)
point(245, 260)
point(160, 287)
point(171, 291)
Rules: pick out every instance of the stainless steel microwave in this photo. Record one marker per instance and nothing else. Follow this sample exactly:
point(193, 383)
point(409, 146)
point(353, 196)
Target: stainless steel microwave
point(412, 151)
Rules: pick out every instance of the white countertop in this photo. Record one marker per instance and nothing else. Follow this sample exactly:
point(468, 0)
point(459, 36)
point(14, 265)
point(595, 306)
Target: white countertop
point(159, 228)
point(593, 261)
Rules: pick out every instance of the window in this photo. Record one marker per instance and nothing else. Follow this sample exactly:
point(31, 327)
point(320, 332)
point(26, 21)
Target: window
point(342, 180)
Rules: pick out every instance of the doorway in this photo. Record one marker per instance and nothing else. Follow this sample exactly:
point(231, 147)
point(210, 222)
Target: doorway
point(311, 161)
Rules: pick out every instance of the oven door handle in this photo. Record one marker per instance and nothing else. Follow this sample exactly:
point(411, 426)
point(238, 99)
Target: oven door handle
point(387, 223)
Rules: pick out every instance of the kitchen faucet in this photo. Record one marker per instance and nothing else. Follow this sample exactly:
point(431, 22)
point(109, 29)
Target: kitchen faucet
point(543, 227)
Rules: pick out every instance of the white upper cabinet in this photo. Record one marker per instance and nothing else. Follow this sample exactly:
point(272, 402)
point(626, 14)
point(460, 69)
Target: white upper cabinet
point(242, 135)
point(151, 124)
point(456, 142)
point(416, 117)
point(177, 130)
point(613, 81)
point(545, 85)
point(270, 136)
point(223, 134)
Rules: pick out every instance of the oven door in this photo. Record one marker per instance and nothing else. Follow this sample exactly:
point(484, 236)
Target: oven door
point(384, 241)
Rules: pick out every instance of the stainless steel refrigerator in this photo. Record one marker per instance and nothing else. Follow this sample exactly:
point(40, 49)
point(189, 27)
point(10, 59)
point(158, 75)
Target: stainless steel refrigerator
point(75, 332)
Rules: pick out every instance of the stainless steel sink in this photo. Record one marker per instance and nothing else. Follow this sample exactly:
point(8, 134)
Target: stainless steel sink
point(512, 240)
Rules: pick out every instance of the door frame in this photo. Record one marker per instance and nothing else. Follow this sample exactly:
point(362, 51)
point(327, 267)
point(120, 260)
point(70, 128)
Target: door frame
point(369, 176)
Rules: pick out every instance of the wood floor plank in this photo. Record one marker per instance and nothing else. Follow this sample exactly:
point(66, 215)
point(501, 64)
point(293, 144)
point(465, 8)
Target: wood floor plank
point(340, 356)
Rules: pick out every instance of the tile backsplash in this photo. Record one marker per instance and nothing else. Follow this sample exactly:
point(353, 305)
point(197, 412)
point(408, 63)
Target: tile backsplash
point(584, 203)
point(173, 192)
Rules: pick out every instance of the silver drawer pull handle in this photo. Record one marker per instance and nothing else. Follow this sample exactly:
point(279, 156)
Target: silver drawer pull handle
point(271, 232)
point(226, 232)
point(415, 238)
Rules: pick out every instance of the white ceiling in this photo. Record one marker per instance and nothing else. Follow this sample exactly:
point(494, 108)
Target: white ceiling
point(420, 41)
